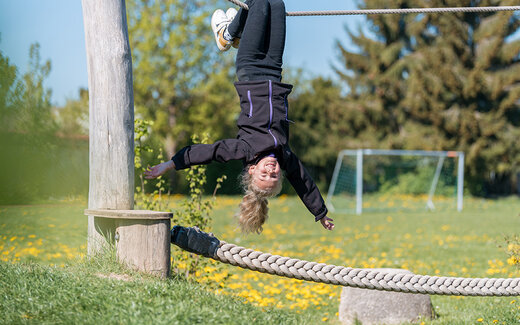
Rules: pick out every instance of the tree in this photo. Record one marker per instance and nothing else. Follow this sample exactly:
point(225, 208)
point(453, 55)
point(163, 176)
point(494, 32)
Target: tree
point(464, 85)
point(318, 133)
point(72, 118)
point(35, 112)
point(43, 164)
point(25, 102)
point(375, 77)
point(10, 93)
point(215, 108)
point(441, 82)
point(175, 65)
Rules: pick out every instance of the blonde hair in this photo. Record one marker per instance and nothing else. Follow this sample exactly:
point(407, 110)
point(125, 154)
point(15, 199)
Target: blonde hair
point(253, 208)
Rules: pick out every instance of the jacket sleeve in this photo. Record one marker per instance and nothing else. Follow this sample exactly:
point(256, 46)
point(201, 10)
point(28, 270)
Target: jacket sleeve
point(305, 187)
point(201, 154)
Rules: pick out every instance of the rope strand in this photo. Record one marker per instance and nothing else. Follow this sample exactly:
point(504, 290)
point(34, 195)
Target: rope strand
point(390, 11)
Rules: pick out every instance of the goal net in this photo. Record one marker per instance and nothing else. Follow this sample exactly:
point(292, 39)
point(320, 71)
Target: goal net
point(367, 179)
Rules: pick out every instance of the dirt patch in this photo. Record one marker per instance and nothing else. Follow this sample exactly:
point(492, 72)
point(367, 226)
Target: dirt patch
point(120, 277)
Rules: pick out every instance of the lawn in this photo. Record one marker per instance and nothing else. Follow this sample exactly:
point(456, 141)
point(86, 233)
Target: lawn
point(471, 243)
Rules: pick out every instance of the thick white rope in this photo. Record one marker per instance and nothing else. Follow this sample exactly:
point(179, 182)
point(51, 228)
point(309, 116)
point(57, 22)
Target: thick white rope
point(390, 11)
point(364, 278)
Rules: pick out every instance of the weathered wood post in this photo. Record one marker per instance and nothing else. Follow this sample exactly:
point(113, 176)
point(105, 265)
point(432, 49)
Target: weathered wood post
point(111, 114)
point(111, 146)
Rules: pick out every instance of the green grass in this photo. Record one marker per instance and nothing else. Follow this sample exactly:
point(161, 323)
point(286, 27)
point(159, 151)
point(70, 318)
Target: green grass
point(448, 243)
point(37, 294)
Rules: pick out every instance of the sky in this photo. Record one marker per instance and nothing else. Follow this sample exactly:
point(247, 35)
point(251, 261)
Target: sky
point(57, 25)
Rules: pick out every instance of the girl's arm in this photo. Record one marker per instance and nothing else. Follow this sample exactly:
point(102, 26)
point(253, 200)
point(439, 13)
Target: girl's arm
point(326, 222)
point(199, 154)
point(307, 190)
point(158, 170)
point(202, 154)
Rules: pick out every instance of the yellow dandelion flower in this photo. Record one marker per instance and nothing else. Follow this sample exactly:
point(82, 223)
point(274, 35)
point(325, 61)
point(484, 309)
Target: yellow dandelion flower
point(512, 260)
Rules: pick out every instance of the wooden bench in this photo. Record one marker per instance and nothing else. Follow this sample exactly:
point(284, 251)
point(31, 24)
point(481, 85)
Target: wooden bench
point(142, 238)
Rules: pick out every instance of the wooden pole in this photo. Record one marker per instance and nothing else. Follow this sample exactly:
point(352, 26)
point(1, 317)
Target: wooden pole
point(111, 109)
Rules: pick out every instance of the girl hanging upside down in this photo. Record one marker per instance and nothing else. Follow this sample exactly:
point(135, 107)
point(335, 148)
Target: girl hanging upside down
point(263, 124)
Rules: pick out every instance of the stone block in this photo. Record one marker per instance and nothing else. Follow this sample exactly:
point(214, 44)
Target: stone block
point(371, 307)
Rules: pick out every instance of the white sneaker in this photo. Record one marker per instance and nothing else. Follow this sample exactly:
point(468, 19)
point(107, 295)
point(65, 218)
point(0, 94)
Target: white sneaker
point(219, 23)
point(230, 14)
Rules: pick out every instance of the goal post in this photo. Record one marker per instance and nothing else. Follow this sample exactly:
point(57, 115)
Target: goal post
point(377, 173)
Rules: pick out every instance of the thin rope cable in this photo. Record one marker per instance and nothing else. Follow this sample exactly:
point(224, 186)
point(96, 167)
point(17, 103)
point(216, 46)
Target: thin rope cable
point(390, 11)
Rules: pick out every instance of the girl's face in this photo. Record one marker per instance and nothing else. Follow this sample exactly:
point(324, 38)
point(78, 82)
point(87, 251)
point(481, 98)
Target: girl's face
point(266, 173)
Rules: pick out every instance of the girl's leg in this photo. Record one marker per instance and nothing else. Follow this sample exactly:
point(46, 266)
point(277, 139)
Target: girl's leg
point(262, 40)
point(278, 30)
point(236, 27)
point(251, 26)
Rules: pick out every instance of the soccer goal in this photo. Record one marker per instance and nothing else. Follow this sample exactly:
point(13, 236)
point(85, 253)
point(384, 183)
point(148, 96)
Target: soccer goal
point(367, 179)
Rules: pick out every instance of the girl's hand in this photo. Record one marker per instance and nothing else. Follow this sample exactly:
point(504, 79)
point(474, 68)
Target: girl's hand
point(158, 170)
point(326, 223)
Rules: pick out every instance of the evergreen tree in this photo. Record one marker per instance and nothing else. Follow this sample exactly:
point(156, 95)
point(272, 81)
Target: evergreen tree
point(441, 82)
point(375, 77)
point(464, 92)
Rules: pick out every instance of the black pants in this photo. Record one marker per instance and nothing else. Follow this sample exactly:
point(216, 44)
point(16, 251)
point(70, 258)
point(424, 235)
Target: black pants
point(262, 40)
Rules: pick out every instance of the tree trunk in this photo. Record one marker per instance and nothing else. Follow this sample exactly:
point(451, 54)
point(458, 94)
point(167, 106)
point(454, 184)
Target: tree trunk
point(111, 120)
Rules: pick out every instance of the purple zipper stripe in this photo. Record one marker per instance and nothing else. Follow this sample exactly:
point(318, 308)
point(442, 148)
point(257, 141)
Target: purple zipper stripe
point(275, 142)
point(286, 108)
point(271, 112)
point(250, 104)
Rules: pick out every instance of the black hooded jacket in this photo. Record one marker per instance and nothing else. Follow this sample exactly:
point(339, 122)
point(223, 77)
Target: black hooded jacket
point(263, 128)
